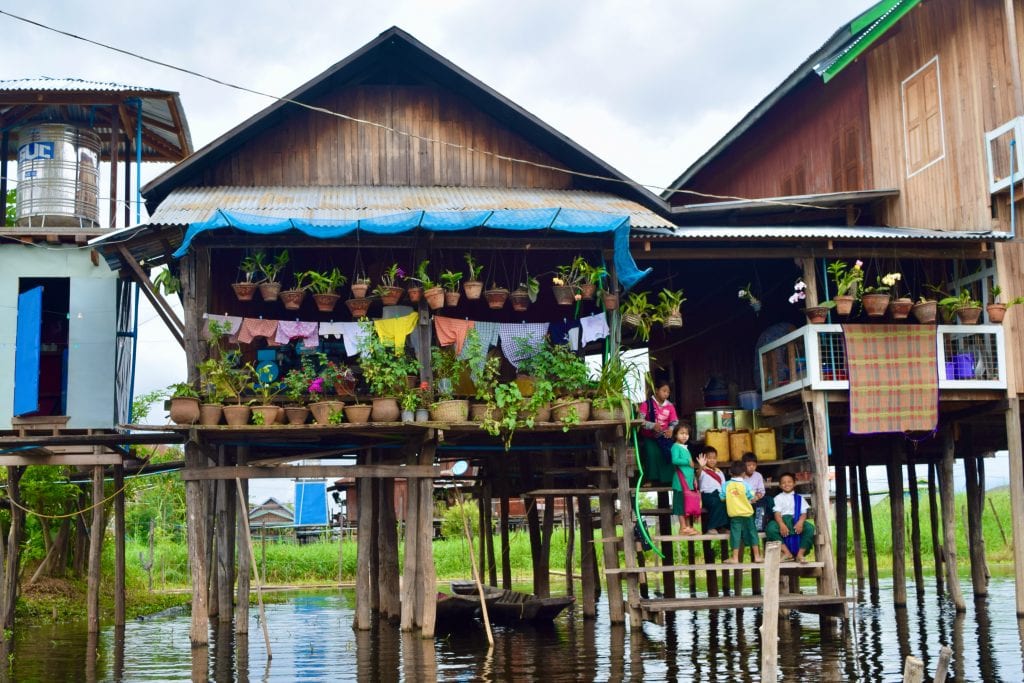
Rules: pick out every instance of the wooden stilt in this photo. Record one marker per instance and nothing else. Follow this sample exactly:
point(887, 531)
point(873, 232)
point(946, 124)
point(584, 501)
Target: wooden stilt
point(822, 505)
point(588, 565)
point(1013, 445)
point(481, 516)
point(975, 539)
point(425, 559)
point(13, 559)
point(933, 519)
point(570, 546)
point(711, 576)
point(668, 579)
point(387, 541)
point(95, 551)
point(256, 573)
point(869, 531)
point(506, 560)
point(492, 565)
point(244, 563)
point(915, 524)
point(858, 554)
point(374, 536)
point(119, 568)
point(616, 611)
point(770, 618)
point(621, 457)
point(225, 519)
point(410, 584)
point(533, 528)
point(691, 557)
point(842, 530)
point(949, 522)
point(195, 506)
point(894, 473)
point(364, 549)
point(213, 488)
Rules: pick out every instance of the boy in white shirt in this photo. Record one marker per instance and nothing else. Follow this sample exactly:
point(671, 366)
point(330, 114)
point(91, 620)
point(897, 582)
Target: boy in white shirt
point(790, 524)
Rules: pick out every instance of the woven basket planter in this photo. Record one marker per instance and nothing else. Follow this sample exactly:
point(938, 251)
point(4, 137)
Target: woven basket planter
point(325, 303)
point(673, 320)
point(473, 289)
point(631, 319)
point(478, 412)
point(455, 410)
point(496, 298)
point(562, 410)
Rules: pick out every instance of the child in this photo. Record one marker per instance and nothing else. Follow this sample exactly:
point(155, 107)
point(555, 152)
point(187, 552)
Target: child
point(660, 419)
point(683, 464)
point(737, 495)
point(791, 521)
point(756, 482)
point(710, 482)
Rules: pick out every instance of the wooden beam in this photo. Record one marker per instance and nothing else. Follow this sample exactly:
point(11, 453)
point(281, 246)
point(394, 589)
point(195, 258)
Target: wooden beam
point(745, 252)
point(1014, 446)
point(313, 471)
point(949, 521)
point(242, 542)
point(80, 460)
point(95, 550)
point(109, 440)
point(163, 308)
point(119, 558)
point(195, 506)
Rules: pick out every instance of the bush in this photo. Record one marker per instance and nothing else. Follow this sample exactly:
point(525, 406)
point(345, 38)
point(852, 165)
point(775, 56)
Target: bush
point(452, 526)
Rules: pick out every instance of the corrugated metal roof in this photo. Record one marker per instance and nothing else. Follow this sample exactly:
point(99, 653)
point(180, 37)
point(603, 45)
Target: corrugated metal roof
point(818, 232)
point(50, 83)
point(795, 203)
point(186, 205)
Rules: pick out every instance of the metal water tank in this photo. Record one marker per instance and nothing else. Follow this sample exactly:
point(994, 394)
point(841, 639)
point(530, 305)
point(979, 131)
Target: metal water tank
point(58, 176)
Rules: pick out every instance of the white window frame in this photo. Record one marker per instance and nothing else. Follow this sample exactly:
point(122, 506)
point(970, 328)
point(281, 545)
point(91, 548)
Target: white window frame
point(942, 118)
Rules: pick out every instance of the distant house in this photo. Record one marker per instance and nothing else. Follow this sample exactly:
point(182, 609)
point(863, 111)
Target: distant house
point(272, 519)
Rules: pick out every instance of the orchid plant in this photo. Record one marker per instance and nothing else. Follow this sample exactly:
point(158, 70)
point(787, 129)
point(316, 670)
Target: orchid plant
point(846, 278)
point(799, 292)
point(391, 275)
point(884, 283)
point(747, 294)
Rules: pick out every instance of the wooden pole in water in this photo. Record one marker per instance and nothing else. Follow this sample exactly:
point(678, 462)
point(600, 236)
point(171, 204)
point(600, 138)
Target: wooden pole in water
point(119, 567)
point(588, 564)
point(244, 562)
point(668, 579)
point(913, 670)
point(894, 473)
point(949, 522)
point(1014, 446)
point(570, 545)
point(95, 550)
point(933, 518)
point(225, 545)
point(858, 555)
point(770, 612)
point(942, 668)
point(492, 565)
point(842, 530)
point(426, 572)
point(410, 583)
point(387, 540)
point(616, 608)
point(975, 540)
point(915, 523)
point(506, 560)
point(13, 559)
point(473, 568)
point(869, 530)
point(364, 548)
point(195, 508)
point(256, 575)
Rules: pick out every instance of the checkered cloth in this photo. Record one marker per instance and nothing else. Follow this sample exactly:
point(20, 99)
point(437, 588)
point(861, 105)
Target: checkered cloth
point(894, 378)
point(520, 341)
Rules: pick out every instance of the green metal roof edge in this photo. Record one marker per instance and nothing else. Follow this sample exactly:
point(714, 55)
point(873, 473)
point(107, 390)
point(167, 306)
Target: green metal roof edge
point(868, 28)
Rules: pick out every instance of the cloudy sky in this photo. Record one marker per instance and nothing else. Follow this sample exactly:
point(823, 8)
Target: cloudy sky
point(647, 86)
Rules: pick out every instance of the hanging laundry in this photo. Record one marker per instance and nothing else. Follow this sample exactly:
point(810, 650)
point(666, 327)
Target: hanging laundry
point(452, 331)
point(573, 337)
point(234, 322)
point(400, 312)
point(519, 341)
point(396, 330)
point(257, 327)
point(353, 335)
point(331, 329)
point(290, 329)
point(594, 327)
point(488, 333)
point(558, 331)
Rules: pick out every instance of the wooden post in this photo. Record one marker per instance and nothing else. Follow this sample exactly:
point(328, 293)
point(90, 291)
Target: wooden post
point(119, 568)
point(256, 573)
point(492, 564)
point(711, 576)
point(894, 473)
point(481, 519)
point(616, 612)
point(842, 530)
point(533, 528)
point(1014, 446)
point(869, 531)
point(213, 488)
point(770, 613)
point(588, 564)
point(933, 518)
point(915, 524)
point(668, 579)
point(975, 539)
point(195, 507)
point(858, 555)
point(942, 668)
point(425, 558)
point(629, 558)
point(225, 544)
point(13, 564)
point(506, 561)
point(570, 546)
point(949, 521)
point(364, 549)
point(913, 670)
point(409, 574)
point(95, 551)
point(822, 504)
point(243, 533)
point(374, 537)
point(387, 541)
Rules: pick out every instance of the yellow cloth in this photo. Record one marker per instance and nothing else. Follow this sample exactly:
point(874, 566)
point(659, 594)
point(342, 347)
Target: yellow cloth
point(737, 496)
point(395, 330)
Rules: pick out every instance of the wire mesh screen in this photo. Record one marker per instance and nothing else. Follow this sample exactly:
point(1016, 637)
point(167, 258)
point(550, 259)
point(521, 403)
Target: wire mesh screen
point(784, 364)
point(970, 356)
point(832, 357)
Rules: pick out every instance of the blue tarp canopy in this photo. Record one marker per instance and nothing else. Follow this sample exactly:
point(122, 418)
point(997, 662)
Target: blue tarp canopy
point(310, 503)
point(565, 220)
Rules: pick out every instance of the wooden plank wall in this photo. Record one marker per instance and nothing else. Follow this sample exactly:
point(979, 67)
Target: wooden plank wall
point(311, 148)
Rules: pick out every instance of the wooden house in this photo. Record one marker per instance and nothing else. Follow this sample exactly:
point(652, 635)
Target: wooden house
point(898, 143)
point(272, 519)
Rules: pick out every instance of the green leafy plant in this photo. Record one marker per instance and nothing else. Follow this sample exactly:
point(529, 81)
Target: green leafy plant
point(639, 312)
point(302, 281)
point(422, 276)
point(532, 287)
point(296, 385)
point(250, 267)
point(257, 418)
point(411, 399)
point(328, 282)
point(594, 274)
point(570, 419)
point(951, 304)
point(475, 269)
point(884, 284)
point(390, 275)
point(448, 369)
point(383, 366)
point(669, 302)
point(263, 384)
point(507, 411)
point(450, 280)
point(182, 390)
point(223, 374)
point(573, 274)
point(336, 417)
point(997, 291)
point(166, 282)
point(846, 277)
point(270, 269)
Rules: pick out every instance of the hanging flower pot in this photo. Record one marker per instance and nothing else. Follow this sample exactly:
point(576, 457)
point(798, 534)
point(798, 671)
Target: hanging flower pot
point(588, 290)
point(270, 290)
point(563, 295)
point(611, 301)
point(415, 293)
point(844, 304)
point(816, 314)
point(244, 291)
point(875, 304)
point(292, 298)
point(496, 298)
point(358, 307)
point(391, 295)
point(325, 303)
point(673, 320)
point(996, 312)
point(359, 289)
point(632, 319)
point(968, 315)
point(925, 312)
point(899, 309)
point(520, 300)
point(473, 288)
point(434, 297)
point(451, 299)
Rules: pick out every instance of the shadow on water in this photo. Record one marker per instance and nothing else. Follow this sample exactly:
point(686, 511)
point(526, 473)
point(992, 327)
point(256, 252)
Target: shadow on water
point(312, 640)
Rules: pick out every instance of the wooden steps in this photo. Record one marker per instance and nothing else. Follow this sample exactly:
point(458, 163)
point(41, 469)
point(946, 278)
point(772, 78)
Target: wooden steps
point(791, 601)
point(677, 538)
point(717, 566)
point(537, 493)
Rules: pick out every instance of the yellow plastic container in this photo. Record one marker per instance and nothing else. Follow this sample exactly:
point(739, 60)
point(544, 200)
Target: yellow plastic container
point(719, 438)
point(765, 447)
point(740, 442)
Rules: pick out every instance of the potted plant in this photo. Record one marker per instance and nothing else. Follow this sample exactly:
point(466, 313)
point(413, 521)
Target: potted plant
point(447, 368)
point(568, 281)
point(324, 287)
point(246, 287)
point(592, 277)
point(570, 380)
point(270, 287)
point(432, 292)
point(293, 296)
point(211, 407)
point(296, 390)
point(637, 313)
point(231, 376)
point(925, 309)
point(846, 279)
point(413, 289)
point(166, 282)
point(966, 308)
point(360, 285)
point(507, 410)
point(320, 376)
point(388, 290)
point(815, 314)
point(496, 297)
point(183, 403)
point(473, 285)
point(483, 373)
point(610, 401)
point(668, 308)
point(266, 388)
point(425, 398)
point(747, 294)
point(384, 369)
point(450, 280)
point(996, 309)
point(875, 299)
point(525, 294)
point(410, 402)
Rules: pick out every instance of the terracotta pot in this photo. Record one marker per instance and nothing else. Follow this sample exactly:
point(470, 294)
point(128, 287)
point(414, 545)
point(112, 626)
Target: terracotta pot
point(899, 309)
point(325, 303)
point(184, 410)
point(588, 291)
point(385, 410)
point(434, 297)
point(816, 314)
point(562, 409)
point(925, 311)
point(544, 413)
point(358, 413)
point(359, 289)
point(563, 295)
point(844, 304)
point(391, 295)
point(358, 307)
point(270, 290)
point(210, 414)
point(968, 315)
point(875, 304)
point(525, 384)
point(236, 415)
point(606, 414)
point(244, 291)
point(472, 288)
point(451, 299)
point(322, 410)
point(996, 312)
point(520, 300)
point(414, 294)
point(611, 301)
point(496, 298)
point(269, 413)
point(673, 320)
point(292, 298)
point(296, 415)
point(478, 412)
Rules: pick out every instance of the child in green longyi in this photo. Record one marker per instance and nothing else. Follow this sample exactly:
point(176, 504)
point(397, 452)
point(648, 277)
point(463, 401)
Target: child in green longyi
point(737, 495)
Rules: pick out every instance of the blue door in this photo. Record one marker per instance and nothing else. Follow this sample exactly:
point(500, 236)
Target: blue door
point(26, 352)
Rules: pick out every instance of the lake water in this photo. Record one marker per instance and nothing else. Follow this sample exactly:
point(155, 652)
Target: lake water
point(312, 640)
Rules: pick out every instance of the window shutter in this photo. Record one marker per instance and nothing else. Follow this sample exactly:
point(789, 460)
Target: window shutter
point(922, 106)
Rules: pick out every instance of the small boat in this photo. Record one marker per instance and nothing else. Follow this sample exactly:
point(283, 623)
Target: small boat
point(459, 609)
point(512, 607)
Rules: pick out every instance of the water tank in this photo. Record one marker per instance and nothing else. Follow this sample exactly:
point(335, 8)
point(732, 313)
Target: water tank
point(58, 176)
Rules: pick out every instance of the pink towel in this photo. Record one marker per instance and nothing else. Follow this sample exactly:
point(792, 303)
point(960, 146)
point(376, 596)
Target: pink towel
point(290, 329)
point(452, 331)
point(257, 327)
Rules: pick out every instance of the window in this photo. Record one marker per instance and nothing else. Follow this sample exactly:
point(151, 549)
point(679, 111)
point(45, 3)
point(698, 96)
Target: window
point(794, 183)
point(922, 118)
point(846, 165)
